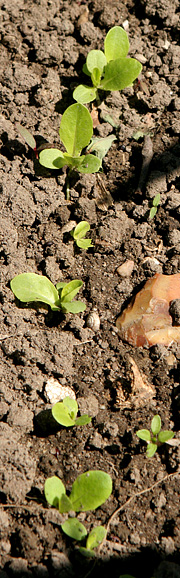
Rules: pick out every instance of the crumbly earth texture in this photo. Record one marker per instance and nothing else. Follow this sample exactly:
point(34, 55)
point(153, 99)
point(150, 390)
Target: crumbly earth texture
point(44, 44)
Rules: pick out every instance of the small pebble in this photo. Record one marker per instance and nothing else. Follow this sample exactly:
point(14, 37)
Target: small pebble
point(126, 268)
point(93, 320)
point(56, 392)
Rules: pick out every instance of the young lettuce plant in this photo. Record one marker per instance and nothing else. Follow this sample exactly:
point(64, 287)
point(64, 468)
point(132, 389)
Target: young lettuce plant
point(109, 70)
point(75, 132)
point(28, 287)
point(79, 233)
point(65, 412)
point(156, 437)
point(89, 491)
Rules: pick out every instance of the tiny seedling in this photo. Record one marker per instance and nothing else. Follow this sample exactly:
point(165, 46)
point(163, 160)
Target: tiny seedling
point(28, 287)
point(77, 531)
point(156, 437)
point(156, 202)
point(89, 491)
point(28, 137)
point(109, 70)
point(75, 132)
point(79, 233)
point(65, 412)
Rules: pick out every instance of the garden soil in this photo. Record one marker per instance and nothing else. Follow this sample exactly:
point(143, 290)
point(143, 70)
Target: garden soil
point(44, 44)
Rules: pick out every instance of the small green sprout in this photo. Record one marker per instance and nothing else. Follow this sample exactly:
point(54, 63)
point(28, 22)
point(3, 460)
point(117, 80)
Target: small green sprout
point(155, 437)
point(156, 202)
point(79, 233)
point(65, 412)
point(109, 70)
point(76, 530)
point(28, 287)
point(89, 491)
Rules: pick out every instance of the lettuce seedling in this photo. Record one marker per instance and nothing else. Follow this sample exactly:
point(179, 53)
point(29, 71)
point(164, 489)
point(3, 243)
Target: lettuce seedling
point(28, 287)
point(75, 132)
point(77, 531)
point(79, 233)
point(65, 412)
point(28, 137)
point(89, 491)
point(108, 70)
point(156, 437)
point(156, 202)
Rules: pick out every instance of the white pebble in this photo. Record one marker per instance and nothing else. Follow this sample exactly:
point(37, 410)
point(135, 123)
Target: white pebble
point(56, 392)
point(93, 320)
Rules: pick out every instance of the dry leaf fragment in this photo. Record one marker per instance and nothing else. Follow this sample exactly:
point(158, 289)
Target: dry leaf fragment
point(142, 391)
point(147, 321)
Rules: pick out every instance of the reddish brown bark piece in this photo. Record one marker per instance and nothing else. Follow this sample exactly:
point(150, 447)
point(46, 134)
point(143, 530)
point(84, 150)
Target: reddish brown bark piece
point(147, 321)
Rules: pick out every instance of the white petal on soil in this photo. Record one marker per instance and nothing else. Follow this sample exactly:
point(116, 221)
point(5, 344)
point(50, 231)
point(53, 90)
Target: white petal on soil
point(56, 392)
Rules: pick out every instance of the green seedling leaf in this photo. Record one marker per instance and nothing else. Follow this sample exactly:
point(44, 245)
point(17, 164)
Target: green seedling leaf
point(165, 436)
point(144, 435)
point(60, 286)
point(120, 73)
point(62, 415)
point(153, 212)
point(84, 244)
point(74, 162)
point(96, 536)
point(71, 405)
point(151, 450)
point(52, 159)
point(156, 424)
point(27, 136)
point(108, 118)
point(138, 134)
point(116, 43)
point(74, 529)
point(90, 164)
point(64, 504)
point(74, 307)
point(156, 200)
point(90, 490)
point(80, 230)
point(87, 553)
point(96, 59)
point(76, 129)
point(101, 145)
point(84, 94)
point(83, 420)
point(70, 290)
point(29, 287)
point(85, 69)
point(54, 489)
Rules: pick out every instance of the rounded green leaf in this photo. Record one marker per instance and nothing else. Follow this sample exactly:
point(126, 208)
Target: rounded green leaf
point(27, 136)
point(76, 128)
point(70, 290)
point(83, 420)
point(165, 436)
point(52, 159)
point(90, 490)
point(116, 44)
point(71, 405)
point(144, 435)
point(120, 73)
point(32, 287)
point(91, 164)
point(96, 59)
point(74, 307)
point(151, 450)
point(64, 504)
point(81, 229)
point(101, 145)
point(156, 424)
point(84, 94)
point(84, 243)
point(73, 162)
point(95, 537)
point(61, 415)
point(86, 553)
point(54, 489)
point(74, 529)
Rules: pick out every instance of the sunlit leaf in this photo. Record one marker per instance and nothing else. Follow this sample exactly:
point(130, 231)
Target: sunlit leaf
point(29, 287)
point(74, 529)
point(53, 489)
point(116, 44)
point(76, 128)
point(90, 490)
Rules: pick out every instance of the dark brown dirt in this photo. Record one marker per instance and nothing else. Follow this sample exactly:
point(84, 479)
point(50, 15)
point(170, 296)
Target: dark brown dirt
point(42, 52)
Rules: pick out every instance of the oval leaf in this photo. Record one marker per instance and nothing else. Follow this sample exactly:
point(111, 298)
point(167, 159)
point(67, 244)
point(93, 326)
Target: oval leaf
point(90, 490)
point(84, 94)
point(32, 287)
point(91, 164)
point(76, 128)
point(54, 489)
point(156, 424)
point(120, 73)
point(52, 159)
point(116, 44)
point(81, 229)
point(165, 436)
point(61, 415)
point(84, 243)
point(96, 59)
point(144, 435)
point(71, 405)
point(74, 307)
point(27, 136)
point(74, 529)
point(70, 290)
point(95, 537)
point(64, 504)
point(87, 553)
point(83, 420)
point(151, 450)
